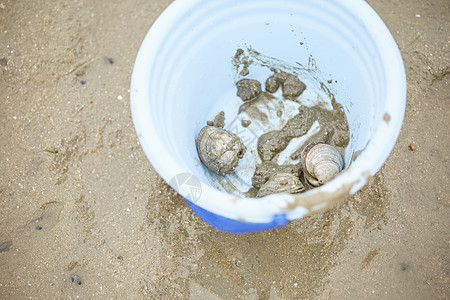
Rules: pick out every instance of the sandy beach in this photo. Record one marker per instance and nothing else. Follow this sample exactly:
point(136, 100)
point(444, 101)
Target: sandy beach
point(85, 216)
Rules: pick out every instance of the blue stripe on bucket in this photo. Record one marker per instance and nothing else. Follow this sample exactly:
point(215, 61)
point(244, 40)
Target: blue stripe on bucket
point(235, 226)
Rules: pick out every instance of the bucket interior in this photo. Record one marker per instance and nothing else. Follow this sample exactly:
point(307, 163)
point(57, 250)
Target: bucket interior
point(193, 77)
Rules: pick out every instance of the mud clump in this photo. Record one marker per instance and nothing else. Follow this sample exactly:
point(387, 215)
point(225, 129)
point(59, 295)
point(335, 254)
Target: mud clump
point(271, 143)
point(291, 86)
point(238, 53)
point(333, 130)
point(246, 123)
point(245, 71)
point(242, 60)
point(248, 89)
point(219, 120)
point(299, 124)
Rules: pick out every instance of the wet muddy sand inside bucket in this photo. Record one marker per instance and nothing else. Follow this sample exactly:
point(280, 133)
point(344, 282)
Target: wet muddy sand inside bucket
point(279, 113)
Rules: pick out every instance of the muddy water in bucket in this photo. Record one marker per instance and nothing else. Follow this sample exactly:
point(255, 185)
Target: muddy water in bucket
point(276, 120)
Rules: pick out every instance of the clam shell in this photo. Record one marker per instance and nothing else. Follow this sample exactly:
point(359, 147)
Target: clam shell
point(321, 163)
point(219, 150)
point(267, 169)
point(281, 182)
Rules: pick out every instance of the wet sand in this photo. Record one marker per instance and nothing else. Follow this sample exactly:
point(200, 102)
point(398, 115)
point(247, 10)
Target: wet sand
point(84, 215)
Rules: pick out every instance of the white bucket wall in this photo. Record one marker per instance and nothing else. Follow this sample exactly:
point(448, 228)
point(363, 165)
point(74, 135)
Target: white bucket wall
point(183, 76)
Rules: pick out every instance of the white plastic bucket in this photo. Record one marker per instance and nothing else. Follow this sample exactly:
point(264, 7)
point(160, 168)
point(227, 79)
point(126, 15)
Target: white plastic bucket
point(183, 77)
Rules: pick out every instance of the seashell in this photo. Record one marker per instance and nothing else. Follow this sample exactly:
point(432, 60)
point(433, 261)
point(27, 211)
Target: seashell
point(219, 150)
point(321, 163)
point(267, 169)
point(281, 182)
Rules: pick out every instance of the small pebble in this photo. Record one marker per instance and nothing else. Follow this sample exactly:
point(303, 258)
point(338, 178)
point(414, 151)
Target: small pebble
point(244, 71)
point(51, 150)
point(246, 123)
point(119, 97)
point(412, 147)
point(110, 61)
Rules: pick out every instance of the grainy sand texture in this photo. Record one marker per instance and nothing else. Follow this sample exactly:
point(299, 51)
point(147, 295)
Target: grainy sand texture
point(84, 215)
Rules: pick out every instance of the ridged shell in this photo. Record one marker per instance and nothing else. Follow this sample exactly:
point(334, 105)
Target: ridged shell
point(281, 182)
point(321, 163)
point(219, 150)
